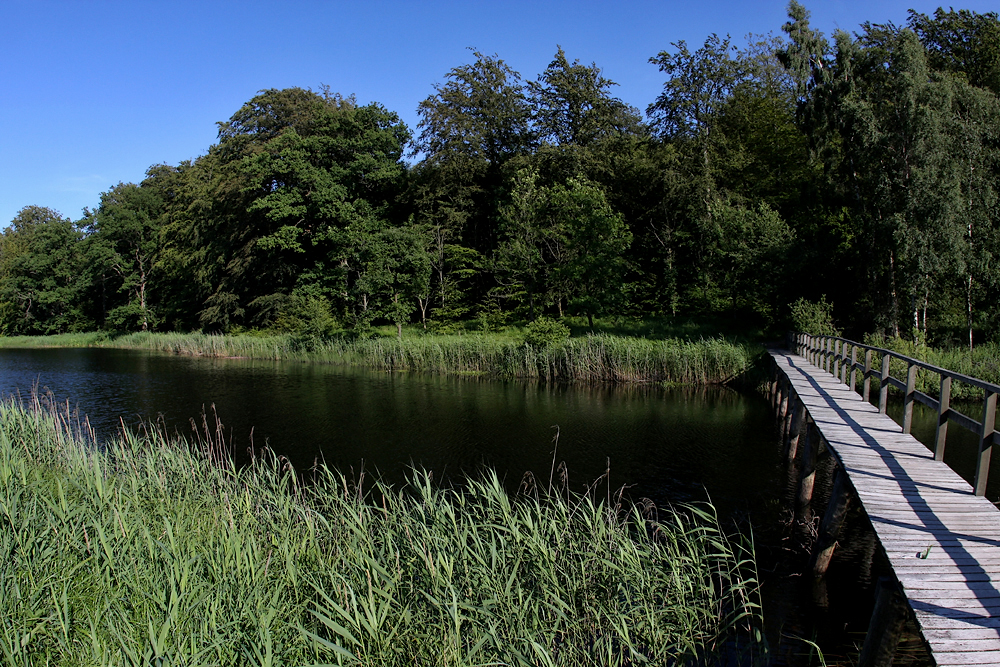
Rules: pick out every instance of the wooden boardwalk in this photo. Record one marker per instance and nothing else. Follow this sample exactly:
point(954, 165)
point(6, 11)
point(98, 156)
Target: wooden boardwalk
point(942, 540)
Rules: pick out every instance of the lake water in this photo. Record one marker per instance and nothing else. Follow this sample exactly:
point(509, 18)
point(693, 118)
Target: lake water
point(667, 444)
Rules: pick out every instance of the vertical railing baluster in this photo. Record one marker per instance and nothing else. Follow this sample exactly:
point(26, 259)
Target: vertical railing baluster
point(883, 390)
point(944, 408)
point(836, 358)
point(845, 365)
point(854, 367)
point(866, 384)
point(911, 386)
point(985, 442)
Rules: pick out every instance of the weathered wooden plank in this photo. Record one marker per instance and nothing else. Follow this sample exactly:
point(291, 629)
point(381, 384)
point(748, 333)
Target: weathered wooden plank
point(951, 636)
point(968, 645)
point(929, 565)
point(955, 574)
point(977, 659)
point(935, 621)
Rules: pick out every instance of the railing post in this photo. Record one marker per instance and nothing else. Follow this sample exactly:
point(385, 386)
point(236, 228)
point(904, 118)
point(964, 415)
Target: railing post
point(826, 353)
point(866, 384)
point(883, 390)
point(985, 441)
point(911, 385)
point(944, 409)
point(854, 367)
point(836, 359)
point(845, 365)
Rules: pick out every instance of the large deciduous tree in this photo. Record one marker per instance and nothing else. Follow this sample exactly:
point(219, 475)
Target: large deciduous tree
point(127, 235)
point(43, 274)
point(562, 245)
point(302, 174)
point(469, 129)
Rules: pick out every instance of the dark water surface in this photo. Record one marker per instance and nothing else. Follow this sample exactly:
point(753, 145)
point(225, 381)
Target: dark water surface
point(670, 445)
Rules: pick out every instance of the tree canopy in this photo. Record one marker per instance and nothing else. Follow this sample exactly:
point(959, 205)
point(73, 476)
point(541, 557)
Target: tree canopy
point(769, 171)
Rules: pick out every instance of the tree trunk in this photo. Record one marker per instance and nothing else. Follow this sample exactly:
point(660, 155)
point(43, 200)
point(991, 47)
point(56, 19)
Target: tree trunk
point(927, 294)
point(142, 300)
point(895, 296)
point(590, 320)
point(423, 303)
point(968, 308)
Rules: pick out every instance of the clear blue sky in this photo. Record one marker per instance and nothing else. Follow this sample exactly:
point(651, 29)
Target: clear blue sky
point(94, 92)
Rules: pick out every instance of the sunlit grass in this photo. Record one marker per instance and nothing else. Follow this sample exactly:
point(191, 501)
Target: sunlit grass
point(148, 551)
point(84, 339)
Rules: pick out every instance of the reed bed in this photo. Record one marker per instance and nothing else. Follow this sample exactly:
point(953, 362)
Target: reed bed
point(600, 357)
point(149, 551)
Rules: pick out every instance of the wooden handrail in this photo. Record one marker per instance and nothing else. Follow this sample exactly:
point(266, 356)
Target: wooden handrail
point(831, 354)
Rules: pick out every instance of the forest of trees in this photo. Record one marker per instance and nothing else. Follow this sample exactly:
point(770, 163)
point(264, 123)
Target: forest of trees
point(865, 170)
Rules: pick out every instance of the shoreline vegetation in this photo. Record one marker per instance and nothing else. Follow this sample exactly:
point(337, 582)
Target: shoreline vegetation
point(152, 550)
point(599, 357)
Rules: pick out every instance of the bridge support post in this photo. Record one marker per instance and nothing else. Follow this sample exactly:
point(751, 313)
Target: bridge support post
point(786, 391)
point(833, 520)
point(795, 431)
point(791, 407)
point(809, 455)
point(885, 627)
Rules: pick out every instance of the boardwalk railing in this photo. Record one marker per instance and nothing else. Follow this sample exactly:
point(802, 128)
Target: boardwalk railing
point(839, 356)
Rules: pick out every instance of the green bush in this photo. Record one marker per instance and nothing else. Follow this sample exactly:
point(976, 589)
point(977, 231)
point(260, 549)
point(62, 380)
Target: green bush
point(545, 332)
point(814, 317)
point(308, 318)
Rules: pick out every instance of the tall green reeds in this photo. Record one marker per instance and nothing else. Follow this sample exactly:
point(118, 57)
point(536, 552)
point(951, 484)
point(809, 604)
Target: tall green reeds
point(600, 357)
point(146, 551)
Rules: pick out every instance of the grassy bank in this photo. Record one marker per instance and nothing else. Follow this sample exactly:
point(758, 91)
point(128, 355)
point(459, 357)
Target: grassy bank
point(598, 357)
point(84, 339)
point(153, 553)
